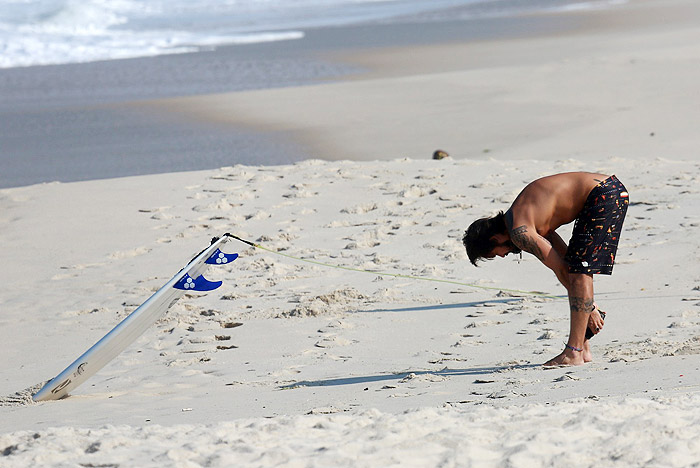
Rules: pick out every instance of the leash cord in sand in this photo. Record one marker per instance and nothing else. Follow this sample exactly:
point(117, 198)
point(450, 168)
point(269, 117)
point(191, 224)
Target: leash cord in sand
point(394, 275)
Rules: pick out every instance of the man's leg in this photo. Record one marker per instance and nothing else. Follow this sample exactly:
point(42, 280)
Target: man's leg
point(581, 305)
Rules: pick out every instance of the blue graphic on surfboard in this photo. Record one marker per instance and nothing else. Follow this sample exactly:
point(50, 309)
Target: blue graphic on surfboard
point(220, 258)
point(187, 283)
point(190, 278)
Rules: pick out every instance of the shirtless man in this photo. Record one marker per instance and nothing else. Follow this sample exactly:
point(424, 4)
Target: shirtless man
point(598, 203)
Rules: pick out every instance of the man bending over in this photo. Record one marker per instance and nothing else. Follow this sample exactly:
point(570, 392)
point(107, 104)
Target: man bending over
point(598, 204)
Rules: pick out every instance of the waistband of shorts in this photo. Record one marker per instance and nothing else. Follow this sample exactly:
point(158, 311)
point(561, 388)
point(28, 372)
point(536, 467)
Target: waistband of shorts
point(612, 178)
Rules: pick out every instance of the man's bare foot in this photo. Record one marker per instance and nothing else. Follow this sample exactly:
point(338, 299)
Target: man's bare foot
point(567, 357)
point(587, 355)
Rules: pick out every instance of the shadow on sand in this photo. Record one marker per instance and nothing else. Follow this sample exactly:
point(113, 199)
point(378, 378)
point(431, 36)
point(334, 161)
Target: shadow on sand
point(402, 375)
point(461, 305)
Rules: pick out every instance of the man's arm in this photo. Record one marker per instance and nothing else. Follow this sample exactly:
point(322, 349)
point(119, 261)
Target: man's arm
point(558, 243)
point(530, 241)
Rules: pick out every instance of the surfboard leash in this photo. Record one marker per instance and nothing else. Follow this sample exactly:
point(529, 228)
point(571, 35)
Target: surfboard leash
point(393, 275)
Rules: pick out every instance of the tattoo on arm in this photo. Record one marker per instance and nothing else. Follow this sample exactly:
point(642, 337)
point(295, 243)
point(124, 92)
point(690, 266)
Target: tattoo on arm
point(581, 304)
point(520, 237)
point(519, 230)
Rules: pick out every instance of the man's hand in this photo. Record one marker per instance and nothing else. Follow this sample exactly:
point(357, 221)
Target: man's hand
point(595, 320)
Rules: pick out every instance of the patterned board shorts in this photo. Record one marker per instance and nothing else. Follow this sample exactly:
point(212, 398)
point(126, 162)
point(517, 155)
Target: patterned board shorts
point(593, 243)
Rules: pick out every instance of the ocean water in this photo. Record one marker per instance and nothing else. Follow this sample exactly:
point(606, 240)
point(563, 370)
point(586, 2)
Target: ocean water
point(43, 32)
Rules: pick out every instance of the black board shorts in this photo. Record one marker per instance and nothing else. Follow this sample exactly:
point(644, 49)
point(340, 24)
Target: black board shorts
point(596, 233)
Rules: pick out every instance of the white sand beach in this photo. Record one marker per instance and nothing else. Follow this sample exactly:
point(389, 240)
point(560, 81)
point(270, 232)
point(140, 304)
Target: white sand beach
point(291, 363)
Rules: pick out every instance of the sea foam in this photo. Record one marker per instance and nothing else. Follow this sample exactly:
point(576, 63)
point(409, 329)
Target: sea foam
point(43, 32)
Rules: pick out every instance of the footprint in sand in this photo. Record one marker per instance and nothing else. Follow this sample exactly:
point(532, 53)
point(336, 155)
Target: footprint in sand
point(566, 377)
point(74, 270)
point(257, 216)
point(217, 207)
point(120, 255)
point(330, 337)
point(300, 191)
point(338, 324)
point(416, 191)
point(368, 244)
point(360, 209)
point(333, 341)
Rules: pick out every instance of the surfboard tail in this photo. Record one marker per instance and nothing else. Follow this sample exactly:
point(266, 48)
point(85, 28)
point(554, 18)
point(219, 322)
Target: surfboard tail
point(190, 278)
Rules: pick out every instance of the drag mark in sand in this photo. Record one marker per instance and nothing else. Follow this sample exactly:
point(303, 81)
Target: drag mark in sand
point(22, 397)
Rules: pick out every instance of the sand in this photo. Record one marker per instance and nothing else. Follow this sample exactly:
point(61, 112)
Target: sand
point(298, 364)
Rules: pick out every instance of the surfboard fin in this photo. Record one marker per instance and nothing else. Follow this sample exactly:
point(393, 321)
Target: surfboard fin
point(187, 283)
point(220, 258)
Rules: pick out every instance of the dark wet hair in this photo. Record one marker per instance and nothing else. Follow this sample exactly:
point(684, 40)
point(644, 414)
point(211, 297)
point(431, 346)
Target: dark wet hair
point(477, 238)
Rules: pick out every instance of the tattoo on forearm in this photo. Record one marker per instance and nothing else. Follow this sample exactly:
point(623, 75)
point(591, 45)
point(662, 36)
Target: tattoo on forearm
point(520, 237)
point(580, 304)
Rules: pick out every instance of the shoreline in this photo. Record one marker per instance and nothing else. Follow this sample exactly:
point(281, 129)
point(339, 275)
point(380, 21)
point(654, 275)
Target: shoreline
point(102, 121)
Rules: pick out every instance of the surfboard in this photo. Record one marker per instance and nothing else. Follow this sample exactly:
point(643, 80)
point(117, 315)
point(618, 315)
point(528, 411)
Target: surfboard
point(190, 278)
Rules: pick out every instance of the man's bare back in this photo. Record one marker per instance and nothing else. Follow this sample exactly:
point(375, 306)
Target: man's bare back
point(553, 201)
